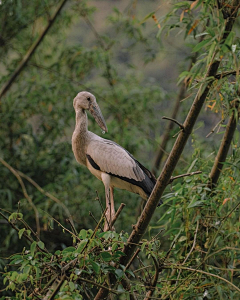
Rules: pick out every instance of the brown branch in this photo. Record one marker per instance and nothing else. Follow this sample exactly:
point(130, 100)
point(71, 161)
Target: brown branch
point(162, 181)
point(223, 149)
point(174, 121)
point(121, 207)
point(132, 259)
point(183, 175)
point(166, 136)
point(24, 190)
point(30, 51)
point(155, 280)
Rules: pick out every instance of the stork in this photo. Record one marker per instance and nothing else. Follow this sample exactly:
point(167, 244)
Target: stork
point(108, 161)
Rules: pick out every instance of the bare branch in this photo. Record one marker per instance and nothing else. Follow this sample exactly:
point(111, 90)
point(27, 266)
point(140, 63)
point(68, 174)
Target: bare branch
point(184, 175)
point(174, 121)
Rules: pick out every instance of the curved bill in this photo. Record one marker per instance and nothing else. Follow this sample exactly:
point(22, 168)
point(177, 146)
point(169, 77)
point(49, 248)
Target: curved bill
point(97, 114)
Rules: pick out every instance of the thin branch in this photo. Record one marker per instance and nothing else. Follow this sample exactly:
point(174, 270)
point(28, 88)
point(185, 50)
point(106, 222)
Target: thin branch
point(15, 173)
point(203, 272)
point(57, 287)
point(55, 199)
point(155, 280)
point(193, 246)
point(121, 207)
point(30, 51)
point(132, 259)
point(214, 128)
point(99, 285)
point(174, 121)
point(223, 149)
point(183, 175)
point(91, 215)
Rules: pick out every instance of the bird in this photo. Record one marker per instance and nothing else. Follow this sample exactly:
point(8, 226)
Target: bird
point(105, 159)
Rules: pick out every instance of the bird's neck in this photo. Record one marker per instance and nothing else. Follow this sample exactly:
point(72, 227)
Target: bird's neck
point(79, 138)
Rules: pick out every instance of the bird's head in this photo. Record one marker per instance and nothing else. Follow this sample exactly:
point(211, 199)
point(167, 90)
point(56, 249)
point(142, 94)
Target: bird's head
point(87, 101)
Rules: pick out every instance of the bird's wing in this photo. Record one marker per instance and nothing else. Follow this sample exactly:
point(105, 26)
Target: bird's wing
point(111, 158)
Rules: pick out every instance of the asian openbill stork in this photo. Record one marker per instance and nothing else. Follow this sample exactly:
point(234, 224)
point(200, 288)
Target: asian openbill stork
point(108, 161)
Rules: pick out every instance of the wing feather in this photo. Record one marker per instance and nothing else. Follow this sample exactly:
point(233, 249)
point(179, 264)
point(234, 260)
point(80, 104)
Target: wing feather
point(112, 158)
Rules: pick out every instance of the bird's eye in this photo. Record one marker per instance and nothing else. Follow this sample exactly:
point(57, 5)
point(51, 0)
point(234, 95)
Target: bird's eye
point(88, 98)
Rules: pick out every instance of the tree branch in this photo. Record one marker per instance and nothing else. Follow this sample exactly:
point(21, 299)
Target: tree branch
point(223, 149)
point(30, 52)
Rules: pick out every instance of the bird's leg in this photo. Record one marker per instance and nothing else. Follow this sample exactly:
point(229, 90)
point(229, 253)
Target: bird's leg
point(112, 203)
point(108, 221)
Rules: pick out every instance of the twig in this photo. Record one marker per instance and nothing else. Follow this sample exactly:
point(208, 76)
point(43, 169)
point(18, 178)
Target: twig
point(189, 253)
point(116, 215)
point(15, 173)
point(91, 215)
point(174, 121)
point(95, 230)
point(214, 128)
point(155, 280)
point(57, 287)
point(30, 51)
point(55, 199)
point(72, 233)
point(132, 259)
point(103, 211)
point(99, 285)
point(203, 272)
point(184, 175)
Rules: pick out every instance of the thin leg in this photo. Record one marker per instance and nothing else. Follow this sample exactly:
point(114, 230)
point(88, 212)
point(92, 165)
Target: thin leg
point(109, 201)
point(112, 203)
point(109, 210)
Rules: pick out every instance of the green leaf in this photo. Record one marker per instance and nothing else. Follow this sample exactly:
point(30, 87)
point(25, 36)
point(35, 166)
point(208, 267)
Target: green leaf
point(81, 245)
point(69, 249)
point(106, 256)
point(41, 245)
point(114, 246)
point(201, 45)
point(119, 273)
point(95, 266)
point(83, 234)
point(194, 204)
point(147, 17)
point(20, 232)
point(33, 247)
point(182, 3)
point(182, 238)
point(72, 286)
point(15, 216)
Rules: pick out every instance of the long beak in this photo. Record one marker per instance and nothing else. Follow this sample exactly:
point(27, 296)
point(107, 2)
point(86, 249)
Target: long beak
point(97, 114)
